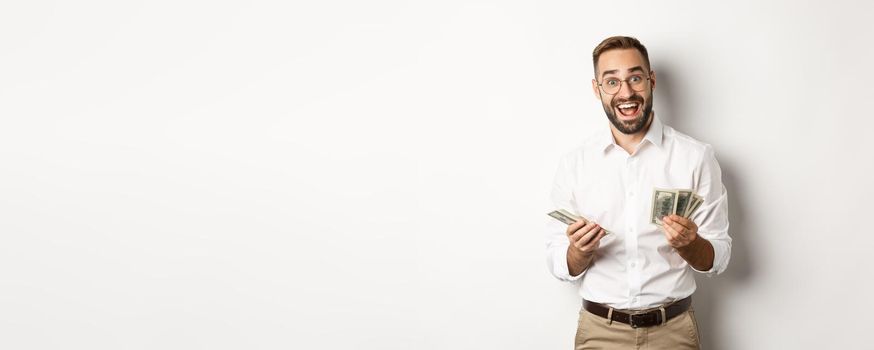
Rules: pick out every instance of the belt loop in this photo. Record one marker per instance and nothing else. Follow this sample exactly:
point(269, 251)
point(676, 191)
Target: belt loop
point(610, 317)
point(664, 318)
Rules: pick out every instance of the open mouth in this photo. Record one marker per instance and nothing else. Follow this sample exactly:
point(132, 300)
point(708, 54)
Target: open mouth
point(628, 109)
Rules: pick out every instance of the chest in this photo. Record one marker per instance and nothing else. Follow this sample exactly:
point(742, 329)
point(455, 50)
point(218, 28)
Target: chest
point(619, 182)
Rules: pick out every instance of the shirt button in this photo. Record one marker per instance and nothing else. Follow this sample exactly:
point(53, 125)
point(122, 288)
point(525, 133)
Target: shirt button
point(631, 193)
point(633, 264)
point(635, 300)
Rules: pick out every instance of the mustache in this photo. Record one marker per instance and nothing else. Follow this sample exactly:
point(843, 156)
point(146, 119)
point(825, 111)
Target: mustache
point(633, 98)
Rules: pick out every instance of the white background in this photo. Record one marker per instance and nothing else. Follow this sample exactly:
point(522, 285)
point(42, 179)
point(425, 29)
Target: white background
point(374, 175)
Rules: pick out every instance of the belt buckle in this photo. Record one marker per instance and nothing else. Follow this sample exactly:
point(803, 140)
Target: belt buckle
point(640, 317)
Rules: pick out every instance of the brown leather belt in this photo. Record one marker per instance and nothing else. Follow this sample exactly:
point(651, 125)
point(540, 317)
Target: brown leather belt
point(640, 319)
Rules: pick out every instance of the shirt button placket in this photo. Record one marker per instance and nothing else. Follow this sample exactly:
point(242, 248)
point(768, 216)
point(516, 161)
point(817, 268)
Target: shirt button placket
point(631, 176)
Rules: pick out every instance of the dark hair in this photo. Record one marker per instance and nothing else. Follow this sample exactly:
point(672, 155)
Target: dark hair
point(619, 42)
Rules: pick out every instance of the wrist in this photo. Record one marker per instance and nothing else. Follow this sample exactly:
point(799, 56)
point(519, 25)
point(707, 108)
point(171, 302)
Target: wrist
point(577, 255)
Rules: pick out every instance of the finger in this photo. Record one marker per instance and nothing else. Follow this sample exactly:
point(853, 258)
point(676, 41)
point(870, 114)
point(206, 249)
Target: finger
point(680, 229)
point(601, 233)
point(576, 226)
point(583, 230)
point(684, 222)
point(585, 234)
point(670, 233)
point(595, 241)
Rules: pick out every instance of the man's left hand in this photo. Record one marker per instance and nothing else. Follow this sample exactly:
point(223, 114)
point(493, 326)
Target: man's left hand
point(679, 231)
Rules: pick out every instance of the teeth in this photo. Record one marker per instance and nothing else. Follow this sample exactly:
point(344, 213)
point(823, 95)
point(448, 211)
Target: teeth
point(628, 105)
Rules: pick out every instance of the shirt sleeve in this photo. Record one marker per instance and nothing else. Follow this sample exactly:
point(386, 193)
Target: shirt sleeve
point(712, 216)
point(556, 238)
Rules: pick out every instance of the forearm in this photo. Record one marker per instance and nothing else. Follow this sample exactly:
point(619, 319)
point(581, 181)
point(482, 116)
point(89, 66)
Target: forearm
point(577, 262)
point(699, 253)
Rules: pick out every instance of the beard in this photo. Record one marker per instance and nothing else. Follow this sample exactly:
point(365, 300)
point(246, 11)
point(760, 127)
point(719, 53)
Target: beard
point(632, 126)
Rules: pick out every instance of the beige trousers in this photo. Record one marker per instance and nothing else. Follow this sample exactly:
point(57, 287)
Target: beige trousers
point(596, 332)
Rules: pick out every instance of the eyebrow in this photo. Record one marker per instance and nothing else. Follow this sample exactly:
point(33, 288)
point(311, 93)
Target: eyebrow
point(614, 71)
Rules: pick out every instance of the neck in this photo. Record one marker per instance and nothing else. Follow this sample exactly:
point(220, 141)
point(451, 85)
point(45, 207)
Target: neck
point(629, 142)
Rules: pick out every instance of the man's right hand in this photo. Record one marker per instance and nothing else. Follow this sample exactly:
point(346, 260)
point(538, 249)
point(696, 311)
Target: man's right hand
point(584, 240)
point(584, 237)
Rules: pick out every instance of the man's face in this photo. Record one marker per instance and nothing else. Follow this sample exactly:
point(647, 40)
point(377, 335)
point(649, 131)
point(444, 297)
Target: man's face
point(628, 110)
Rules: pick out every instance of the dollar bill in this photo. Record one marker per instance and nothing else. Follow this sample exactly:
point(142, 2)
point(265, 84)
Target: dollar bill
point(693, 206)
point(563, 216)
point(569, 218)
point(664, 203)
point(674, 201)
point(683, 201)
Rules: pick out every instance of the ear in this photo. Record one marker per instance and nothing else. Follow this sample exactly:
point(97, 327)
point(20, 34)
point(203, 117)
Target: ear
point(595, 89)
point(652, 80)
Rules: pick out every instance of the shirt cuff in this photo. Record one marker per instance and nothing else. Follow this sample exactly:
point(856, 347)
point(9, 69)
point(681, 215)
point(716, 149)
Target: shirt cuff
point(560, 266)
point(720, 258)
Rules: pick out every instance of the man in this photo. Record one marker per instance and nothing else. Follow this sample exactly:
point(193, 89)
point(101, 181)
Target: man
point(636, 282)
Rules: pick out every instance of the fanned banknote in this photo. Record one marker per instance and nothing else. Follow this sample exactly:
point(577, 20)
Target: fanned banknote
point(673, 201)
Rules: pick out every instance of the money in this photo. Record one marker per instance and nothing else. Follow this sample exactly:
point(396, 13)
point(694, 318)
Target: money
point(568, 218)
point(683, 201)
point(564, 216)
point(664, 203)
point(693, 205)
point(673, 201)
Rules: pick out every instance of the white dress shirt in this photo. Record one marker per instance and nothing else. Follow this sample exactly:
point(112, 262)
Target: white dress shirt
point(635, 267)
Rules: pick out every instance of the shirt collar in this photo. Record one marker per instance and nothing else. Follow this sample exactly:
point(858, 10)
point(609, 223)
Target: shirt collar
point(654, 135)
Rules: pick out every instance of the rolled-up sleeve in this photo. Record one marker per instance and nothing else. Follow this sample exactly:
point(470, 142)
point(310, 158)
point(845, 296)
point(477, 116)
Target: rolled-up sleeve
point(712, 216)
point(556, 239)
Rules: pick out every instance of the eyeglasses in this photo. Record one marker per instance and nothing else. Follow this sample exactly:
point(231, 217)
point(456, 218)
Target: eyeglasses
point(636, 82)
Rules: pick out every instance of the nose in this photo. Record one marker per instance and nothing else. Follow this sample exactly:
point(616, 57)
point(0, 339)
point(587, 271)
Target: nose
point(624, 89)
